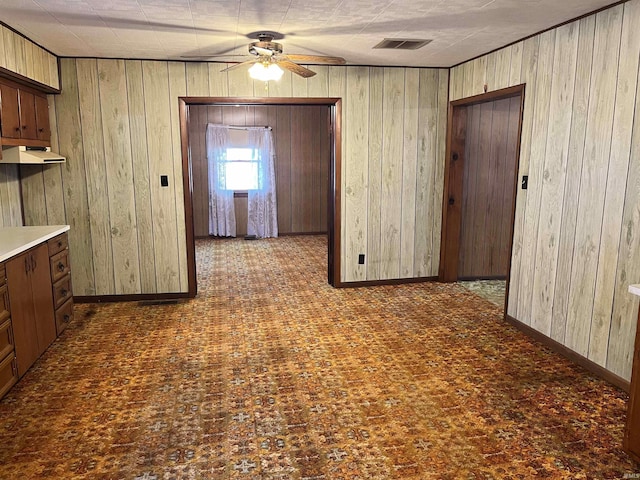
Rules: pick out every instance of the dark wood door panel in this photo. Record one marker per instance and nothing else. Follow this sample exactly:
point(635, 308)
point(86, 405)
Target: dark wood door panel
point(490, 161)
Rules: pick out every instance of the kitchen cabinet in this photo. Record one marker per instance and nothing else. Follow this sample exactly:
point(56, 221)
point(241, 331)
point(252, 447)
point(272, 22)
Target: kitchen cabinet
point(24, 116)
point(36, 299)
point(31, 300)
point(8, 366)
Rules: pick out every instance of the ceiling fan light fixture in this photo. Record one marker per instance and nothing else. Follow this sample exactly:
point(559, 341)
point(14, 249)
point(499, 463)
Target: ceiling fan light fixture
point(264, 73)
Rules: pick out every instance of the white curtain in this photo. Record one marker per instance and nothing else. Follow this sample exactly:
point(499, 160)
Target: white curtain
point(262, 209)
point(222, 216)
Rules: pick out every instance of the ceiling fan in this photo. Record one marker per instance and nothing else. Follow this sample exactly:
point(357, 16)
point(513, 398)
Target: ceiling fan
point(266, 53)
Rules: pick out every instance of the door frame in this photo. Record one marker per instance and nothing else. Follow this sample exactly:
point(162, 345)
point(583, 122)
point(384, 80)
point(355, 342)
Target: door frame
point(453, 180)
point(335, 162)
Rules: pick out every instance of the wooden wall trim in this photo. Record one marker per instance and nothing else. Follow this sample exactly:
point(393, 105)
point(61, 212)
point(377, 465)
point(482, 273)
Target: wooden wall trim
point(135, 297)
point(576, 358)
point(392, 281)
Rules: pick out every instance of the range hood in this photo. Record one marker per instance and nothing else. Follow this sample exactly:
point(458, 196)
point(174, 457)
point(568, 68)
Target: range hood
point(30, 155)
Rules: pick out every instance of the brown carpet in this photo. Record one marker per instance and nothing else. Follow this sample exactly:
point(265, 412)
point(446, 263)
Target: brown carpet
point(272, 374)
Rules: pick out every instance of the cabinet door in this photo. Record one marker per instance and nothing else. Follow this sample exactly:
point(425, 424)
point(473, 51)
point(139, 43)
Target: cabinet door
point(9, 115)
point(27, 115)
point(25, 336)
point(42, 118)
point(42, 293)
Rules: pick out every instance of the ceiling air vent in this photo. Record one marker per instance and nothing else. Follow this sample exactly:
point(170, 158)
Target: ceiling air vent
point(402, 43)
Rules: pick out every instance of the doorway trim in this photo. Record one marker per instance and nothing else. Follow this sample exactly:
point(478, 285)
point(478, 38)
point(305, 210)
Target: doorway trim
point(335, 162)
point(453, 180)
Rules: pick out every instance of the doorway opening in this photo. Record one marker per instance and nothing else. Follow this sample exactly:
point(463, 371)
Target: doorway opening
point(332, 189)
point(481, 176)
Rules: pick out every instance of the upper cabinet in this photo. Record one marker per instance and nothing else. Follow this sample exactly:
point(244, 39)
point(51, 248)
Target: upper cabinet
point(24, 116)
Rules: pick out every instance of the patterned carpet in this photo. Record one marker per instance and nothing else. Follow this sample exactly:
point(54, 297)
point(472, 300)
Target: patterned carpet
point(492, 290)
point(271, 374)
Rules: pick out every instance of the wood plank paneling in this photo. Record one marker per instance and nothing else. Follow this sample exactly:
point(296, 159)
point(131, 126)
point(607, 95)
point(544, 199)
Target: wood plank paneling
point(356, 173)
point(553, 176)
point(10, 209)
point(392, 150)
point(437, 163)
point(572, 184)
point(96, 172)
point(593, 179)
point(425, 174)
point(141, 181)
point(70, 139)
point(529, 67)
point(536, 162)
point(374, 183)
point(178, 88)
point(33, 192)
point(581, 210)
point(409, 172)
point(119, 176)
point(163, 201)
point(24, 57)
point(624, 111)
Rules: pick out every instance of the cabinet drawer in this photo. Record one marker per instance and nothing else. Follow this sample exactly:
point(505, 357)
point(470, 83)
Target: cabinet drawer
point(3, 274)
point(60, 265)
point(8, 374)
point(62, 291)
point(6, 339)
point(4, 303)
point(64, 315)
point(57, 244)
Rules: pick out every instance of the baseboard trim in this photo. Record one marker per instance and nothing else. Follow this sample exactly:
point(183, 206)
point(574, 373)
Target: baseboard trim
point(139, 297)
point(393, 281)
point(584, 362)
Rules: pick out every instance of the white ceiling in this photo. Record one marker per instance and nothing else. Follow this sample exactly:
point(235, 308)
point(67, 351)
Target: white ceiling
point(169, 29)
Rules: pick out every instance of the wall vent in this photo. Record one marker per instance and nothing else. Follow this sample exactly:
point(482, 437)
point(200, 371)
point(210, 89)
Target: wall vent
point(402, 43)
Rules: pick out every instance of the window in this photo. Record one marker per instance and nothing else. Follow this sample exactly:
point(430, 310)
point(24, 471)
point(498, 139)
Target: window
point(240, 169)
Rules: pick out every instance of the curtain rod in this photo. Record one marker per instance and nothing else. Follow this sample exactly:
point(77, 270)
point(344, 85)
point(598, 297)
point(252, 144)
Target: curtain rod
point(234, 127)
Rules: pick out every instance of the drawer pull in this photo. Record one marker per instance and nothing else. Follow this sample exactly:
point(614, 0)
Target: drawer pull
point(61, 267)
point(63, 292)
point(59, 243)
point(66, 318)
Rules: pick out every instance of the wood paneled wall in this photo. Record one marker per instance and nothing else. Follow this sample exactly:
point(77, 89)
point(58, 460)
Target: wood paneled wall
point(301, 138)
point(10, 207)
point(577, 228)
point(489, 168)
point(128, 233)
point(21, 56)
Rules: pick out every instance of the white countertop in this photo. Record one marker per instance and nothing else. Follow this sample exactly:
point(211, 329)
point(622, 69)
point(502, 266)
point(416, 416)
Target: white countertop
point(635, 289)
point(15, 240)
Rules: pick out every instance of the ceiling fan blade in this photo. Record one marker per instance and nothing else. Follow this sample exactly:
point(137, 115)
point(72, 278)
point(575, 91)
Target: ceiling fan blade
point(295, 68)
point(238, 65)
point(316, 59)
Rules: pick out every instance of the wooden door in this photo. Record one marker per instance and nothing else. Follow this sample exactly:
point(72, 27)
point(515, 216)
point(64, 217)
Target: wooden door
point(42, 118)
point(483, 145)
point(488, 188)
point(27, 115)
point(10, 113)
point(25, 334)
point(42, 294)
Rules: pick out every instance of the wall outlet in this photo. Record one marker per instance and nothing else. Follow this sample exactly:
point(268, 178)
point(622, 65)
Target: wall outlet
point(164, 181)
point(361, 259)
